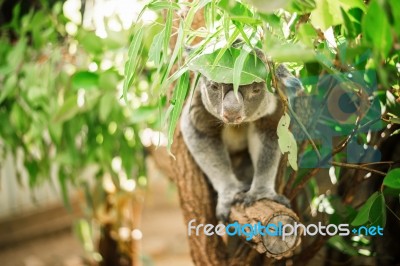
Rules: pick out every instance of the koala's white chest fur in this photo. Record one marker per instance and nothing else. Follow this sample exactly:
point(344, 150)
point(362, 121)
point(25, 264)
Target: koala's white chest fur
point(235, 137)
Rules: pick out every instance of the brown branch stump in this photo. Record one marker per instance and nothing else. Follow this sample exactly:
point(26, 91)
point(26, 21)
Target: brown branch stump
point(268, 212)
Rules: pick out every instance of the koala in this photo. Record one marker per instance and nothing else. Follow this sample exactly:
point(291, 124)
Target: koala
point(217, 125)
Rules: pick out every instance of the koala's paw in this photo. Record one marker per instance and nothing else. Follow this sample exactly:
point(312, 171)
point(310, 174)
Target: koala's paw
point(254, 195)
point(227, 199)
point(223, 209)
point(282, 200)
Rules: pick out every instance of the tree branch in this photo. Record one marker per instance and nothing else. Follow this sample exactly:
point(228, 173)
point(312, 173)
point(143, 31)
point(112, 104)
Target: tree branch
point(359, 167)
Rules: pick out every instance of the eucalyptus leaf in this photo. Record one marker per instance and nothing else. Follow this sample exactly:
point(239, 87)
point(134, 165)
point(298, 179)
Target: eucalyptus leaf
point(85, 80)
point(292, 53)
point(392, 179)
point(253, 70)
point(326, 14)
point(238, 67)
point(132, 62)
point(177, 101)
point(68, 110)
point(286, 141)
point(376, 19)
point(160, 5)
point(156, 48)
point(377, 212)
point(363, 214)
point(269, 6)
point(395, 6)
point(235, 8)
point(106, 105)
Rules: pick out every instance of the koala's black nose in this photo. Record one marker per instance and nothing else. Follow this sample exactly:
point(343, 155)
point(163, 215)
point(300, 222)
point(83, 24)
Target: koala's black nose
point(232, 107)
point(231, 103)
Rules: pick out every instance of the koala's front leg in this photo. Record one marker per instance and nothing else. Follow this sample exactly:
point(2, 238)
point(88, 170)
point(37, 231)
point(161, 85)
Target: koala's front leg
point(212, 157)
point(265, 155)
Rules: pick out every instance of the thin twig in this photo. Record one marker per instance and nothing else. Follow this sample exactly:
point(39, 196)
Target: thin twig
point(395, 215)
point(302, 183)
point(358, 167)
point(384, 162)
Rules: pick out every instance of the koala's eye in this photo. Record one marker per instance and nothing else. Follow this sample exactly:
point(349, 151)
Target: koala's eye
point(214, 86)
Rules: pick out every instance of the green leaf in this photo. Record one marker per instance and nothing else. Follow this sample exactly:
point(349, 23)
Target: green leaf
point(269, 6)
point(286, 141)
point(106, 106)
point(16, 55)
point(394, 120)
point(392, 179)
point(376, 29)
point(19, 118)
point(167, 35)
point(144, 114)
point(55, 131)
point(246, 20)
point(392, 105)
point(326, 14)
point(292, 53)
point(235, 8)
point(363, 214)
point(156, 48)
point(85, 80)
point(8, 87)
point(307, 34)
point(68, 110)
point(83, 231)
point(175, 53)
point(177, 101)
point(377, 212)
point(396, 132)
point(395, 7)
point(229, 43)
point(301, 6)
point(160, 5)
point(109, 80)
point(226, 25)
point(348, 4)
point(64, 190)
point(238, 67)
point(90, 41)
point(350, 30)
point(253, 69)
point(133, 61)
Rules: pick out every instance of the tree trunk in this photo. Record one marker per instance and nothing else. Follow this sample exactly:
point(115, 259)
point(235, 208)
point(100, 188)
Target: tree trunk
point(198, 201)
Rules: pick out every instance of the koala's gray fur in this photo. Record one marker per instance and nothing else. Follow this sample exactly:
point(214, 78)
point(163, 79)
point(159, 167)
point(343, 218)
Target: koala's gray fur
point(216, 125)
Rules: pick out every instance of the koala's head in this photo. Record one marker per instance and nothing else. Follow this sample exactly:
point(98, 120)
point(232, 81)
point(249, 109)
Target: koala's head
point(252, 101)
